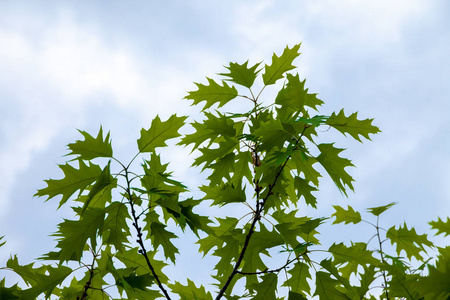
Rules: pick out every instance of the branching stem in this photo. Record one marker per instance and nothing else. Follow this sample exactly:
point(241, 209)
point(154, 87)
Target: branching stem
point(139, 240)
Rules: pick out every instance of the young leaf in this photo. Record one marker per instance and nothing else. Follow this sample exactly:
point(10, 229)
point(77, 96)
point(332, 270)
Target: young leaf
point(159, 132)
point(74, 180)
point(92, 148)
point(352, 125)
point(242, 74)
point(347, 216)
point(280, 65)
point(376, 211)
point(441, 226)
point(212, 94)
point(408, 240)
point(4, 242)
point(335, 166)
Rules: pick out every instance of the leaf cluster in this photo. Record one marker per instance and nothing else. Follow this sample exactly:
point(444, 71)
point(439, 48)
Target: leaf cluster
point(262, 158)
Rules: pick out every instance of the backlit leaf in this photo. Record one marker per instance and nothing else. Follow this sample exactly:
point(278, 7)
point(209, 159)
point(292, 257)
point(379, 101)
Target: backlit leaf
point(408, 240)
point(347, 216)
point(352, 125)
point(280, 65)
point(335, 166)
point(92, 148)
point(159, 132)
point(74, 180)
point(242, 74)
point(376, 211)
point(441, 226)
point(212, 93)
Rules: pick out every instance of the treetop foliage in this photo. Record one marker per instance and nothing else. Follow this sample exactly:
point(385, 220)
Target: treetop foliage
point(266, 160)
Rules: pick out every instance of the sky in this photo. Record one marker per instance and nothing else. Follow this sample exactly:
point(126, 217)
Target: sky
point(81, 64)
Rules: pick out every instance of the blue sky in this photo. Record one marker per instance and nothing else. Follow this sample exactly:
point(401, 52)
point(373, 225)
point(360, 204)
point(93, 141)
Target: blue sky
point(82, 64)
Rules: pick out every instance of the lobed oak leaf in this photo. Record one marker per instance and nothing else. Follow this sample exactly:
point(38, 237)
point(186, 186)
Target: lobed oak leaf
point(280, 65)
point(159, 132)
point(212, 93)
point(295, 96)
point(335, 166)
point(408, 240)
point(352, 125)
point(347, 216)
point(160, 236)
point(74, 180)
point(73, 235)
point(190, 291)
point(441, 226)
point(242, 74)
point(298, 282)
point(266, 289)
point(92, 147)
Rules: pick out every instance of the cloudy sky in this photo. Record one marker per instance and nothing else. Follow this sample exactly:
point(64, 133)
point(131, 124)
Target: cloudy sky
point(82, 64)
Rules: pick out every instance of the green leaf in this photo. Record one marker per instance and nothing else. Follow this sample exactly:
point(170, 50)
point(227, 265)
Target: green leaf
point(224, 194)
point(260, 242)
point(214, 238)
point(298, 282)
point(304, 189)
point(74, 180)
point(295, 296)
point(140, 282)
point(295, 96)
point(357, 253)
point(242, 74)
point(347, 216)
point(335, 166)
point(160, 236)
point(159, 132)
point(212, 128)
point(352, 125)
point(209, 155)
point(212, 93)
point(1, 244)
point(73, 235)
point(408, 240)
point(266, 288)
point(132, 259)
point(190, 291)
point(437, 284)
point(280, 65)
point(92, 148)
point(326, 287)
point(9, 293)
point(104, 182)
point(42, 280)
point(116, 230)
point(376, 211)
point(441, 226)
